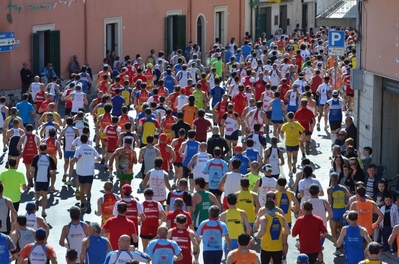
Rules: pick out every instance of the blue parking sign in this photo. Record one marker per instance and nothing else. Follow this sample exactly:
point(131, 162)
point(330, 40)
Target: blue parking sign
point(336, 39)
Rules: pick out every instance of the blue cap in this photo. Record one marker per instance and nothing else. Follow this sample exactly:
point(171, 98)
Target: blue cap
point(302, 259)
point(40, 233)
point(30, 207)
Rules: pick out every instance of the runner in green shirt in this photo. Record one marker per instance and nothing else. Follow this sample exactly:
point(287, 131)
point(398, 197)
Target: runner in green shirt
point(13, 181)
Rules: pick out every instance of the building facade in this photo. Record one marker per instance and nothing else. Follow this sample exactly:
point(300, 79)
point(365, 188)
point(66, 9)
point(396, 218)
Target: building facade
point(55, 30)
point(377, 98)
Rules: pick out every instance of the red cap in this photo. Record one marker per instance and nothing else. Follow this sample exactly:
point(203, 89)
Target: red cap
point(238, 148)
point(163, 137)
point(127, 189)
point(183, 90)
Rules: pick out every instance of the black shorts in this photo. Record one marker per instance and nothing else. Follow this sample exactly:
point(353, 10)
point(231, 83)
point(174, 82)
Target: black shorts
point(289, 148)
point(13, 154)
point(308, 133)
point(177, 164)
point(351, 95)
point(187, 173)
point(73, 113)
point(41, 186)
point(334, 125)
point(85, 179)
point(68, 111)
point(216, 192)
point(156, 136)
point(277, 121)
point(276, 176)
point(274, 88)
point(147, 237)
point(233, 136)
point(269, 114)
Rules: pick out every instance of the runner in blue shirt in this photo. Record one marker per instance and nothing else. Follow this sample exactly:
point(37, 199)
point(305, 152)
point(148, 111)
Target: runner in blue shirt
point(163, 250)
point(211, 232)
point(216, 92)
point(25, 109)
point(245, 161)
point(117, 102)
point(215, 168)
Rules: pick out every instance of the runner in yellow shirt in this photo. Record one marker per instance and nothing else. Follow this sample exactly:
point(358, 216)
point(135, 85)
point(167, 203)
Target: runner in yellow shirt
point(293, 131)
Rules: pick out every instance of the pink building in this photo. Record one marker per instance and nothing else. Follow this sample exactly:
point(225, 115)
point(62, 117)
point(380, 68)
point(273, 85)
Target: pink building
point(55, 30)
point(378, 82)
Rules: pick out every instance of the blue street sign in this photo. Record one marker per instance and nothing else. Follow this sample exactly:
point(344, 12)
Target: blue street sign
point(6, 35)
point(336, 39)
point(6, 48)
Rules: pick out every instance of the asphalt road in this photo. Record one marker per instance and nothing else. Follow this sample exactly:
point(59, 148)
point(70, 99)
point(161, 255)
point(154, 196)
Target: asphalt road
point(64, 198)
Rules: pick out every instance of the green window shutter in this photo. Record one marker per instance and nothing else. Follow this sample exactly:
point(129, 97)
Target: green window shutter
point(181, 32)
point(169, 35)
point(55, 51)
point(260, 24)
point(35, 54)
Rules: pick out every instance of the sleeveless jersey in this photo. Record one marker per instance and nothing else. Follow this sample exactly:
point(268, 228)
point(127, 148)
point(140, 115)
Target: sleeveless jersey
point(182, 238)
point(97, 251)
point(199, 99)
point(267, 97)
point(14, 140)
point(201, 210)
point(252, 180)
point(335, 112)
point(176, 194)
point(123, 119)
point(240, 258)
point(234, 223)
point(69, 137)
point(230, 124)
point(105, 121)
point(38, 254)
point(111, 131)
point(272, 240)
point(132, 212)
point(149, 227)
point(165, 156)
point(51, 146)
point(126, 161)
point(338, 197)
point(267, 184)
point(75, 235)
point(107, 205)
point(283, 201)
point(246, 202)
point(199, 166)
point(25, 237)
point(221, 109)
point(192, 148)
point(179, 158)
point(293, 101)
point(365, 213)
point(31, 221)
point(255, 118)
point(277, 110)
point(273, 160)
point(157, 183)
point(168, 122)
point(353, 241)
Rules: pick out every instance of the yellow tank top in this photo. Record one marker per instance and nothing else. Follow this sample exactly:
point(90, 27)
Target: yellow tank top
point(338, 196)
point(272, 240)
point(284, 201)
point(234, 223)
point(376, 261)
point(45, 119)
point(252, 180)
point(246, 202)
point(100, 110)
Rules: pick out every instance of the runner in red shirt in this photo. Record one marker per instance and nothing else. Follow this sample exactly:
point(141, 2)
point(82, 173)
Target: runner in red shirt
point(202, 126)
point(283, 89)
point(350, 93)
point(141, 97)
point(259, 87)
point(299, 60)
point(102, 122)
point(120, 225)
point(112, 132)
point(154, 215)
point(38, 100)
point(219, 110)
point(178, 164)
point(204, 83)
point(167, 152)
point(315, 83)
point(140, 76)
point(130, 71)
point(29, 144)
point(184, 238)
point(307, 119)
point(172, 99)
point(161, 89)
point(240, 100)
point(125, 118)
point(115, 85)
point(44, 105)
point(171, 215)
point(104, 85)
point(68, 103)
point(166, 124)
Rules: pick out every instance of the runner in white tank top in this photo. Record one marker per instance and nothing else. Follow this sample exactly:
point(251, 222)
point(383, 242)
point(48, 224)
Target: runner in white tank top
point(157, 184)
point(200, 162)
point(231, 182)
point(319, 208)
point(35, 87)
point(76, 233)
point(181, 100)
point(266, 97)
point(273, 160)
point(2, 116)
point(265, 184)
point(31, 221)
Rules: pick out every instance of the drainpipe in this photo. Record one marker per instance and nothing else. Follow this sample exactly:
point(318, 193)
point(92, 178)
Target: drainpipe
point(190, 17)
point(85, 29)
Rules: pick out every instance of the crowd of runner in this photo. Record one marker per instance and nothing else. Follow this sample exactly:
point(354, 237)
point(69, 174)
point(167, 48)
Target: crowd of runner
point(258, 92)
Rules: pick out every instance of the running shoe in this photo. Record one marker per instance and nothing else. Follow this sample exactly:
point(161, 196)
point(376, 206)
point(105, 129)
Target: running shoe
point(37, 205)
point(44, 214)
point(69, 183)
point(77, 195)
point(5, 149)
point(64, 178)
point(307, 149)
point(318, 126)
point(88, 208)
point(30, 183)
point(51, 189)
point(294, 168)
